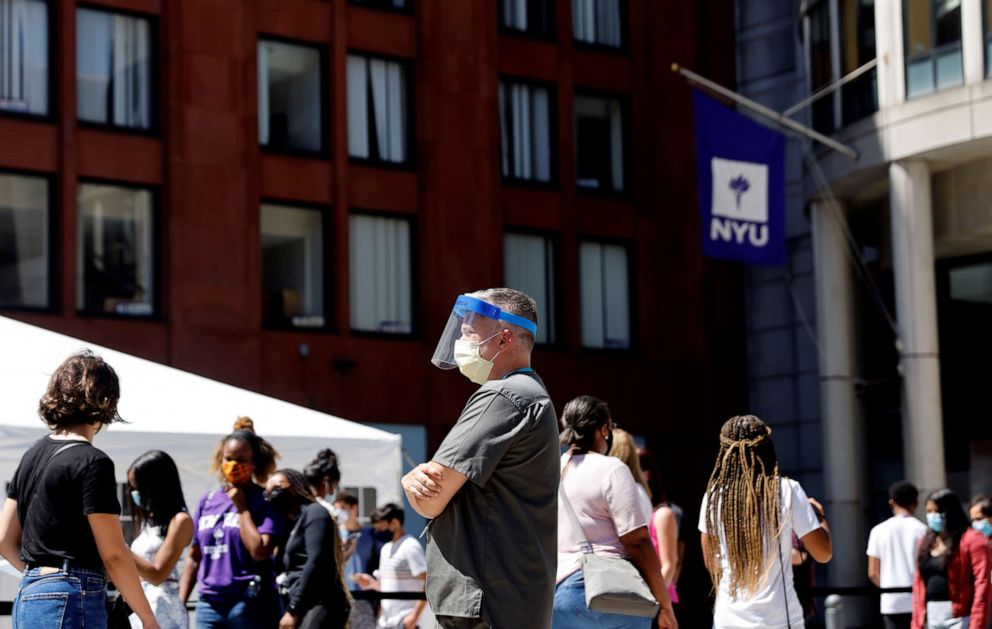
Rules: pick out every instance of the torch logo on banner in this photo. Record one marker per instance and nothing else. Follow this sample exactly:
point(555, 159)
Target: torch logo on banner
point(739, 211)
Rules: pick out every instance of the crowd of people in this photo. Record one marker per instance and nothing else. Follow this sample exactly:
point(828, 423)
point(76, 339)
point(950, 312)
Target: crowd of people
point(535, 521)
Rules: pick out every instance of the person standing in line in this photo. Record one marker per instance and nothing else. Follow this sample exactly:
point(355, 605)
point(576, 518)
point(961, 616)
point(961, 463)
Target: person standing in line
point(364, 559)
point(311, 577)
point(951, 585)
point(603, 494)
point(60, 523)
point(491, 488)
point(230, 560)
point(892, 554)
point(667, 527)
point(165, 529)
point(324, 476)
point(746, 521)
point(981, 521)
point(402, 568)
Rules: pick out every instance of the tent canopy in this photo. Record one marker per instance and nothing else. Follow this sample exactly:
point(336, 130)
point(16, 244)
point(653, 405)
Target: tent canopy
point(185, 415)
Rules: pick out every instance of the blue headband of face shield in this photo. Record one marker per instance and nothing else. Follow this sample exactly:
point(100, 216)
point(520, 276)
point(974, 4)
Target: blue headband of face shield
point(465, 304)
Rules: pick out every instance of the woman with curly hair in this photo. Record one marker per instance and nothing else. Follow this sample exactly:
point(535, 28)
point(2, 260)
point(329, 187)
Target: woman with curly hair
point(951, 585)
point(747, 519)
point(61, 521)
point(234, 528)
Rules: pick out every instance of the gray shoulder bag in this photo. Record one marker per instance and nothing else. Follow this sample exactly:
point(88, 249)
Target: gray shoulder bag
point(613, 585)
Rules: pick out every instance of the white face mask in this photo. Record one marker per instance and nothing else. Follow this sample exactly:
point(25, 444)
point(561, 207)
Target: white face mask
point(470, 362)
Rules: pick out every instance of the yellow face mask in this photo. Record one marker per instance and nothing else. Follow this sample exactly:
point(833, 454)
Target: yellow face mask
point(237, 473)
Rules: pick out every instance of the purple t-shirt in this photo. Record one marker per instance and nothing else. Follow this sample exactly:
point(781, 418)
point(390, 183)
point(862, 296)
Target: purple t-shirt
point(226, 567)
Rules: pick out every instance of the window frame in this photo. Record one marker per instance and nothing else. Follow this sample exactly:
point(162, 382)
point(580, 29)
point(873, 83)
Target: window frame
point(415, 321)
point(550, 36)
point(554, 183)
point(410, 163)
point(54, 242)
point(326, 286)
point(384, 5)
point(157, 249)
point(622, 50)
point(325, 151)
point(53, 70)
point(630, 246)
point(931, 55)
point(557, 294)
point(624, 100)
point(156, 89)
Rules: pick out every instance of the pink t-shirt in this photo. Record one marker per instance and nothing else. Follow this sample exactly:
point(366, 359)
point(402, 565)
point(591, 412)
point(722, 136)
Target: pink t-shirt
point(603, 494)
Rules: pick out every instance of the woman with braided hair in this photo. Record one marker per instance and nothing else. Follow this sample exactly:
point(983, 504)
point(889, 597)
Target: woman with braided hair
point(747, 519)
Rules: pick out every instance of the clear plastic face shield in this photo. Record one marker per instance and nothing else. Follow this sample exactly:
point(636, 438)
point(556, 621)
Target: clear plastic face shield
point(472, 323)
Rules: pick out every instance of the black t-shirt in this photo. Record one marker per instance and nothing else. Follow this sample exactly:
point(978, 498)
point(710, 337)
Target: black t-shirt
point(934, 575)
point(78, 481)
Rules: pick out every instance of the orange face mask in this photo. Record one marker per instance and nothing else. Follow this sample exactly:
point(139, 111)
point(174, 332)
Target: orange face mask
point(237, 473)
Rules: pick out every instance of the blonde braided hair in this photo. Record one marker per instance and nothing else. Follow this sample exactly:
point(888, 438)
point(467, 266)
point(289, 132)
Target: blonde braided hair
point(743, 501)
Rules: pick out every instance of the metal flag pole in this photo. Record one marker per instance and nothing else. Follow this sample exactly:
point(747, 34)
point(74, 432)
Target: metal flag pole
point(761, 110)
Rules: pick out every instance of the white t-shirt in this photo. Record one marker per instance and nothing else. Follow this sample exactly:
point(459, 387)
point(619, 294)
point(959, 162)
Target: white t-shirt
point(401, 565)
point(894, 543)
point(603, 493)
point(766, 607)
point(645, 499)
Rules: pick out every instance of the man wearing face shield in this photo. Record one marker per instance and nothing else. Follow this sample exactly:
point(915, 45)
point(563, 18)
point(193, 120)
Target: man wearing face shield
point(490, 489)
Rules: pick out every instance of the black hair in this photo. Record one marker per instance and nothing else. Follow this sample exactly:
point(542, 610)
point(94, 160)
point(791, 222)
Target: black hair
point(984, 504)
point(157, 480)
point(387, 513)
point(83, 390)
point(956, 522)
point(325, 465)
point(298, 484)
point(347, 498)
point(904, 494)
point(580, 420)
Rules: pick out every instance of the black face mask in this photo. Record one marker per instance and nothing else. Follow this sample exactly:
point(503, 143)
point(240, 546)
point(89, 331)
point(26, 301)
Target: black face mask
point(383, 536)
point(282, 500)
point(609, 441)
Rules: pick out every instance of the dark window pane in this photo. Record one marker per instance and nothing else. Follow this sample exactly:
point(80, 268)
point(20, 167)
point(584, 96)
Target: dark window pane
point(292, 266)
point(599, 138)
point(290, 109)
point(24, 242)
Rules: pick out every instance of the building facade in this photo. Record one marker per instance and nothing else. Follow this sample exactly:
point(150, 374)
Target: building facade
point(867, 346)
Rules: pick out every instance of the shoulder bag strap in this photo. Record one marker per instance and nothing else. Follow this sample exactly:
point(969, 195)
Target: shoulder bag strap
point(40, 474)
point(583, 542)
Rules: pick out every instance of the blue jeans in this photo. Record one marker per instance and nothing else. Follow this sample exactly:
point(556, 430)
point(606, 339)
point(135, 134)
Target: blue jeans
point(570, 610)
point(258, 612)
point(68, 599)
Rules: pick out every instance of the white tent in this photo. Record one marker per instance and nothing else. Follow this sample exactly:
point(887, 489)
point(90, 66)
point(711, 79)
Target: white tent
point(183, 414)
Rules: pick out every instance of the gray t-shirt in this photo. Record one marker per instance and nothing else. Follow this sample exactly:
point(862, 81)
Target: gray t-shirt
point(492, 552)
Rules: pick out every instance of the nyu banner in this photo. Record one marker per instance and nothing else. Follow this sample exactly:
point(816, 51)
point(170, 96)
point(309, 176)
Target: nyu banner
point(741, 172)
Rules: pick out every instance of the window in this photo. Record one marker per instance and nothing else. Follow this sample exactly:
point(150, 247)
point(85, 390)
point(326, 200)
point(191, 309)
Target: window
point(933, 45)
point(115, 269)
point(290, 107)
point(24, 242)
point(821, 68)
point(525, 125)
point(598, 22)
point(533, 17)
point(292, 267)
point(604, 278)
point(529, 265)
point(860, 96)
point(987, 20)
point(380, 258)
point(377, 110)
point(599, 139)
point(24, 76)
point(113, 69)
point(394, 5)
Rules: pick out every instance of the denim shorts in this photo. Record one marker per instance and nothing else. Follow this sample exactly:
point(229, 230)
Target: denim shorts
point(570, 611)
point(72, 598)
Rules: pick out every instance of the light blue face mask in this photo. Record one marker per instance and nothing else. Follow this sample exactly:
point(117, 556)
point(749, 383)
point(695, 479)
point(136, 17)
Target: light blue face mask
point(136, 497)
point(983, 526)
point(936, 522)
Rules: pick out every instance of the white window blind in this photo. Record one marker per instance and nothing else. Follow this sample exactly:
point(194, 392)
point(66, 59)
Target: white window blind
point(292, 266)
point(380, 274)
point(529, 266)
point(289, 96)
point(24, 241)
point(597, 22)
point(604, 277)
point(525, 125)
point(24, 56)
point(113, 69)
point(377, 109)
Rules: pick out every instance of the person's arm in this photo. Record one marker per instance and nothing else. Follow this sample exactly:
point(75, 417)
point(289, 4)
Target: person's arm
point(320, 569)
point(188, 578)
point(410, 620)
point(259, 545)
point(430, 487)
point(641, 553)
point(875, 571)
point(979, 552)
point(919, 601)
point(668, 543)
point(116, 558)
point(679, 563)
point(818, 541)
point(10, 534)
point(177, 538)
point(366, 581)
